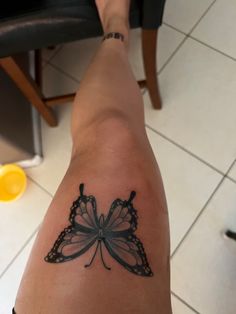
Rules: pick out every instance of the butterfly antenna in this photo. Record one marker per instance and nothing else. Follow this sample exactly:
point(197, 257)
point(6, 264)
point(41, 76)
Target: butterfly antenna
point(81, 188)
point(104, 264)
point(132, 196)
point(90, 263)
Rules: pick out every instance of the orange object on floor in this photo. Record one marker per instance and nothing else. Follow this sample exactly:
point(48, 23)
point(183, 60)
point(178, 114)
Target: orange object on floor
point(12, 182)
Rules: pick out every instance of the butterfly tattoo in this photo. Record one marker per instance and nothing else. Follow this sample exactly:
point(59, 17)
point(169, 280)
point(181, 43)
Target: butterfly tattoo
point(115, 233)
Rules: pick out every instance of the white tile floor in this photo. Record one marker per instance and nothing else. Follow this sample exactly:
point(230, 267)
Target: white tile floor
point(232, 172)
point(193, 138)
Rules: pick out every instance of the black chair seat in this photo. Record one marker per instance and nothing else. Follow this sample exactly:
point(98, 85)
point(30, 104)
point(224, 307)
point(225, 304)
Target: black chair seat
point(39, 24)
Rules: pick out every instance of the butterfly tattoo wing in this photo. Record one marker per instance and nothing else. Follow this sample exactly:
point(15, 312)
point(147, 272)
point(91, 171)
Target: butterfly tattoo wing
point(69, 245)
point(120, 240)
point(77, 238)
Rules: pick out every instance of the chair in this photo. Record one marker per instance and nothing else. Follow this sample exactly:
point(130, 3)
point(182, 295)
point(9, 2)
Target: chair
point(32, 25)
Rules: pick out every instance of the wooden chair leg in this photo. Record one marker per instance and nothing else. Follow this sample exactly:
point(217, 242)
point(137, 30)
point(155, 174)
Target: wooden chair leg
point(149, 47)
point(29, 88)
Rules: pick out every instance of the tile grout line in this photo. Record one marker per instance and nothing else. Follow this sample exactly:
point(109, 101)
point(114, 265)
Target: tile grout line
point(172, 55)
point(201, 211)
point(194, 26)
point(19, 252)
point(184, 302)
point(56, 52)
point(174, 28)
point(211, 47)
point(40, 186)
point(187, 35)
point(181, 44)
point(52, 56)
point(230, 167)
point(63, 72)
point(227, 173)
point(194, 39)
point(197, 217)
point(201, 42)
point(202, 16)
point(231, 179)
point(185, 150)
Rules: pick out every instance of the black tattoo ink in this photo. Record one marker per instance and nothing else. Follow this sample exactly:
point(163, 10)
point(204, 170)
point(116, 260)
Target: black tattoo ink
point(115, 232)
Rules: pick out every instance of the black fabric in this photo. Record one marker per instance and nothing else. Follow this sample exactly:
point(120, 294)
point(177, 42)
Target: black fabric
point(152, 13)
point(27, 9)
point(27, 25)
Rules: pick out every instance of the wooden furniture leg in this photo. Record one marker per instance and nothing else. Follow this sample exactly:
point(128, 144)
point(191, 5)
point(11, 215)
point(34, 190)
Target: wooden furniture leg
point(29, 88)
point(149, 47)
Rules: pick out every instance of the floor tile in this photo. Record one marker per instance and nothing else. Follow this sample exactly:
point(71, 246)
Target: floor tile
point(204, 268)
point(19, 220)
point(179, 307)
point(188, 184)
point(184, 14)
point(10, 281)
point(48, 53)
point(56, 83)
point(218, 27)
point(56, 150)
point(75, 57)
point(168, 41)
point(198, 88)
point(232, 173)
